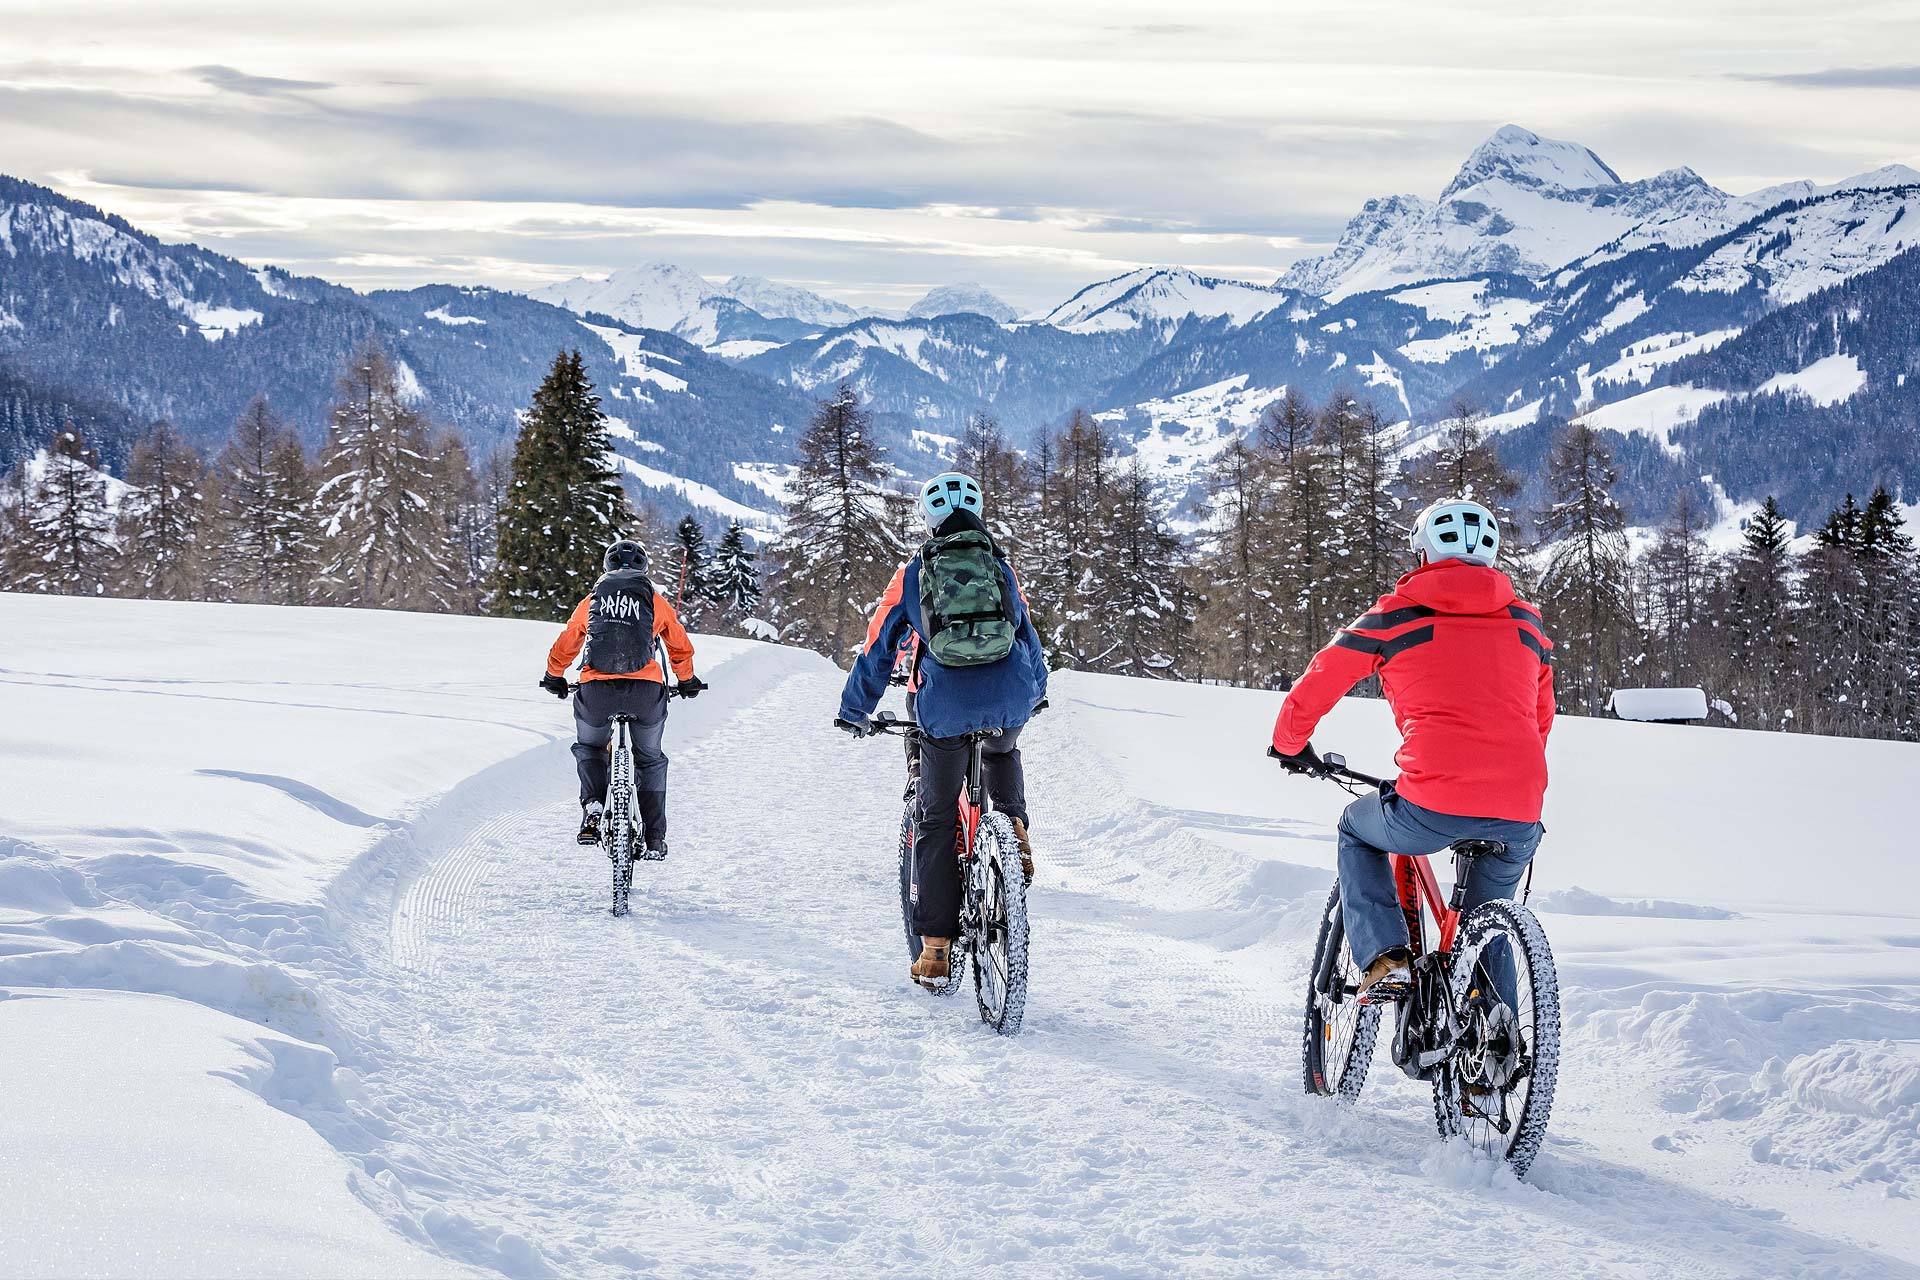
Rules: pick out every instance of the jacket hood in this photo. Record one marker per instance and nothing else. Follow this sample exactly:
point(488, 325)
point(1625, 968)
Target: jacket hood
point(1459, 587)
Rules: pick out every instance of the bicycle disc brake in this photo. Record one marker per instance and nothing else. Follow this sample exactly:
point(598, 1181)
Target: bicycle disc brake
point(1490, 1048)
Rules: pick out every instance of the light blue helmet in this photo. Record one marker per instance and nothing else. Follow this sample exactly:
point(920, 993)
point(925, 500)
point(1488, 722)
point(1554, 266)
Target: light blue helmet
point(947, 493)
point(1456, 529)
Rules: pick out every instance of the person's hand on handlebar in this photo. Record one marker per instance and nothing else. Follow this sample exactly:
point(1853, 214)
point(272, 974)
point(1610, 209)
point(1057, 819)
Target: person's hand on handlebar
point(691, 687)
point(1306, 760)
point(555, 685)
point(858, 726)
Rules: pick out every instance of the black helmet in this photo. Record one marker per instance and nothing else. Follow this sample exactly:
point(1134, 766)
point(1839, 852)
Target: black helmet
point(625, 554)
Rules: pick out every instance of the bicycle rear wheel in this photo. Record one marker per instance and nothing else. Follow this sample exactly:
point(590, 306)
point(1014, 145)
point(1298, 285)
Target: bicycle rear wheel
point(1496, 1089)
point(1337, 1046)
point(956, 956)
point(1000, 893)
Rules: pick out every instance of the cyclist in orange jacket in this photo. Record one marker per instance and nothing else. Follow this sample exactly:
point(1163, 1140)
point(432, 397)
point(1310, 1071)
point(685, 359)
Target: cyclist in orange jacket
point(616, 633)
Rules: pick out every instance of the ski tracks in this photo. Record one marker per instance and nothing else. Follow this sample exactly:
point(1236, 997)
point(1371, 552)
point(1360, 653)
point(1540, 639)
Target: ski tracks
point(738, 1080)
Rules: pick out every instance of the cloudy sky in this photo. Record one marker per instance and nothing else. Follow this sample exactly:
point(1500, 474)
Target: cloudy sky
point(873, 148)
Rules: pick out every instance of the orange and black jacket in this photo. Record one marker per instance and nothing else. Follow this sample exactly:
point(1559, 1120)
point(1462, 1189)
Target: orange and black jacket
point(666, 626)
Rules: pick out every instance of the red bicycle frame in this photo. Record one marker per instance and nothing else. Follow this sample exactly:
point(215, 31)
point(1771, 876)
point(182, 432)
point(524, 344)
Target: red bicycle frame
point(1415, 879)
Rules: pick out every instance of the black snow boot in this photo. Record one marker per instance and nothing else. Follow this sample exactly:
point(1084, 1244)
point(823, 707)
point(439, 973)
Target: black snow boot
point(590, 822)
point(653, 821)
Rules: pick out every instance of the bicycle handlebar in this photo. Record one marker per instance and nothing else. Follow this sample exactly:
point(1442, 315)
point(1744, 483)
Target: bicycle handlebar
point(673, 690)
point(1333, 767)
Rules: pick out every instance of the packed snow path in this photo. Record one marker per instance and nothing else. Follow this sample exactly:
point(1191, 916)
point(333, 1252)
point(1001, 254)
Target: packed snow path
point(737, 1079)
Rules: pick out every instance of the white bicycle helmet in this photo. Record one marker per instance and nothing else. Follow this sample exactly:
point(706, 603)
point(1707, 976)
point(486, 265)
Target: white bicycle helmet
point(947, 493)
point(1456, 529)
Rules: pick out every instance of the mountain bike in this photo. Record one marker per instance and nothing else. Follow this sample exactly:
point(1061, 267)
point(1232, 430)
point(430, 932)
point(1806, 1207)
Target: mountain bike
point(993, 892)
point(621, 837)
point(1481, 1021)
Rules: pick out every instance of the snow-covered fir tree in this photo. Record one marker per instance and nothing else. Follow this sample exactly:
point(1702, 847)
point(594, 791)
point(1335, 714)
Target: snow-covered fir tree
point(736, 576)
point(1675, 572)
point(840, 545)
point(263, 534)
point(564, 503)
point(1750, 612)
point(1585, 588)
point(1136, 597)
point(385, 545)
point(688, 579)
point(160, 518)
point(1463, 464)
point(63, 538)
point(1241, 620)
point(1069, 539)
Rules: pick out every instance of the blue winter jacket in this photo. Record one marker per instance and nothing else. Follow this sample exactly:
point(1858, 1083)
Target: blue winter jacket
point(951, 700)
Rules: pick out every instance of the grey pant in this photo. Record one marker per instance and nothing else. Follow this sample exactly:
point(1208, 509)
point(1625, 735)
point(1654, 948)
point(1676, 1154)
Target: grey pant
point(594, 707)
point(1383, 822)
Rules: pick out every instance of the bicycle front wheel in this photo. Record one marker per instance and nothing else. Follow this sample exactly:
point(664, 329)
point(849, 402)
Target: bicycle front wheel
point(621, 834)
point(1000, 946)
point(1496, 1088)
point(1337, 1046)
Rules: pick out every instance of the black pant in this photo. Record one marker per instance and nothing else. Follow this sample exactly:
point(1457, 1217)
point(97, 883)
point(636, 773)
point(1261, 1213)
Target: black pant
point(943, 776)
point(594, 707)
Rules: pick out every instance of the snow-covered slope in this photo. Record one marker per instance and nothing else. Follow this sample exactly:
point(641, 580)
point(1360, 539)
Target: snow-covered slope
point(1520, 205)
point(1164, 298)
point(320, 985)
point(956, 299)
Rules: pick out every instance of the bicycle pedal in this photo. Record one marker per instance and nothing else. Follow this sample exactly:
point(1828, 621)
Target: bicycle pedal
point(1386, 993)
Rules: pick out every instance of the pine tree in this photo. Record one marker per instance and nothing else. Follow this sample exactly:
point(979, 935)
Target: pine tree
point(1240, 614)
point(1362, 533)
point(1140, 618)
point(1584, 587)
point(736, 578)
point(1071, 537)
point(1751, 611)
point(564, 503)
point(1677, 569)
point(1300, 554)
point(1463, 464)
point(691, 580)
point(293, 557)
point(385, 545)
point(467, 521)
point(160, 518)
point(840, 545)
point(64, 538)
point(241, 537)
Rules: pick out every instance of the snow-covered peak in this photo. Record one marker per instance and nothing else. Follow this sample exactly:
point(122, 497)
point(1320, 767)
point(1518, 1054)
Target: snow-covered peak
point(778, 301)
point(1526, 159)
point(1520, 205)
point(1758, 202)
point(653, 295)
point(1163, 296)
point(957, 299)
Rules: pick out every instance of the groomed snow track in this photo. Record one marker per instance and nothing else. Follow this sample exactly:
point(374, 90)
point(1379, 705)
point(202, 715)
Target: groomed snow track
point(737, 1079)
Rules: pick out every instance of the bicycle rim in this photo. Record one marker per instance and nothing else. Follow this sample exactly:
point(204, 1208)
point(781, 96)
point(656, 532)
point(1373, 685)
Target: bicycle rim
point(620, 840)
point(1339, 1036)
point(1000, 946)
point(1509, 1120)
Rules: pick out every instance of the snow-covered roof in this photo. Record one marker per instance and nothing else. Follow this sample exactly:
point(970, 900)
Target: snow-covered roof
point(1659, 704)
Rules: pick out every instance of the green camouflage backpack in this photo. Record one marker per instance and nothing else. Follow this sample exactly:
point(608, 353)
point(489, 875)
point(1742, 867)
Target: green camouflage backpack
point(964, 601)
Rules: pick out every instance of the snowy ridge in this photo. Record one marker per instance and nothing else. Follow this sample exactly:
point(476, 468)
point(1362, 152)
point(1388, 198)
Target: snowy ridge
point(785, 301)
point(1164, 297)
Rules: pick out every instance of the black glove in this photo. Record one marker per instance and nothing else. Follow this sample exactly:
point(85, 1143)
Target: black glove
point(858, 728)
point(555, 685)
point(1305, 760)
point(691, 687)
point(1040, 706)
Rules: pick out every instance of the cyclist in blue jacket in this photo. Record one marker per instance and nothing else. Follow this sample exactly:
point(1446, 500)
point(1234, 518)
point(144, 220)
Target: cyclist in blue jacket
point(981, 667)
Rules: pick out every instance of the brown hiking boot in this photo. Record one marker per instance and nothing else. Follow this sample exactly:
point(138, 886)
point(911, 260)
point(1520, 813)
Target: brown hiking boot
point(1387, 978)
point(1026, 850)
point(932, 969)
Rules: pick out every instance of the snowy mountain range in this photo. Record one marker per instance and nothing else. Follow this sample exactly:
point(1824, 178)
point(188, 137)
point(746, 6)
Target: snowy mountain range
point(1539, 281)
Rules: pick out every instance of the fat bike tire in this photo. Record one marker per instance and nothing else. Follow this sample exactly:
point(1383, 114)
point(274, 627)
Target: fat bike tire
point(621, 837)
point(1525, 1102)
point(956, 955)
point(1338, 1038)
point(1000, 956)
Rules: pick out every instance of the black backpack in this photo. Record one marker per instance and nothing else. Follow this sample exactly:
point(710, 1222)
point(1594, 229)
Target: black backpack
point(620, 624)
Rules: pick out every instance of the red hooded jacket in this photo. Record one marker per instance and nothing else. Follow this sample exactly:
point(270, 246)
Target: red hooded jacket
point(1467, 670)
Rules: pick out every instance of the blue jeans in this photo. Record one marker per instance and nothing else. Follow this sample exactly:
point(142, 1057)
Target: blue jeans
point(1383, 822)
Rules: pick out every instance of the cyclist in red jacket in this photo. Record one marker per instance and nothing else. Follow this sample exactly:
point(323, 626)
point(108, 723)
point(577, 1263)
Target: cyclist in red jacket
point(1467, 669)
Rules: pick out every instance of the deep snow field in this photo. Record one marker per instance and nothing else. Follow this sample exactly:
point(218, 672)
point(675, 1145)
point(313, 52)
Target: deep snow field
point(301, 974)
